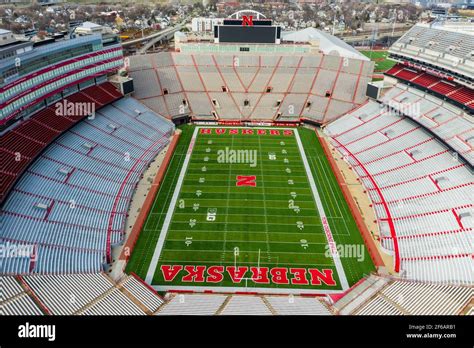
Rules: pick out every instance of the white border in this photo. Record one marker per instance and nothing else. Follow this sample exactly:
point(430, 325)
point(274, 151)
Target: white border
point(322, 214)
point(169, 213)
point(242, 290)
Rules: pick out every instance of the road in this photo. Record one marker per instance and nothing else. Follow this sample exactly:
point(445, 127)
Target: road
point(150, 40)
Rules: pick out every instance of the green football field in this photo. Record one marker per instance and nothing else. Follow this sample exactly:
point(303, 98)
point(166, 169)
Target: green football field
point(250, 212)
point(382, 63)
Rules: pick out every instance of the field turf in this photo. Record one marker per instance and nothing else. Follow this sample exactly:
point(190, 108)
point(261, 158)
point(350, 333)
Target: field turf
point(274, 224)
point(382, 63)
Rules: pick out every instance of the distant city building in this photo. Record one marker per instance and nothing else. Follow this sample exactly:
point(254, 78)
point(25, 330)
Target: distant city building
point(205, 24)
point(301, 2)
point(3, 2)
point(88, 28)
point(49, 2)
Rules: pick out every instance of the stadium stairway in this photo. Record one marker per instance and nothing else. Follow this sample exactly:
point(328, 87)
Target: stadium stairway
point(384, 295)
point(76, 294)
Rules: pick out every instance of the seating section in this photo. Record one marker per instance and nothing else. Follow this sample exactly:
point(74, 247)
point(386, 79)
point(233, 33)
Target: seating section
point(386, 296)
point(451, 50)
point(462, 95)
point(76, 294)
point(396, 297)
point(192, 304)
point(14, 300)
point(359, 294)
point(66, 294)
point(402, 72)
point(295, 305)
point(143, 293)
point(448, 123)
point(422, 195)
point(97, 294)
point(70, 206)
point(246, 305)
point(218, 304)
point(114, 303)
point(26, 141)
point(250, 86)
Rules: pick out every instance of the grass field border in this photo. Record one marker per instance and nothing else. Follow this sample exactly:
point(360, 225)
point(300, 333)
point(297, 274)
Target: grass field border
point(380, 57)
point(149, 234)
point(149, 200)
point(164, 228)
point(170, 213)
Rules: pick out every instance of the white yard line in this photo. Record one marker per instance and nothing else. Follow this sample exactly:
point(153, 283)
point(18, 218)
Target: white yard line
point(239, 241)
point(258, 215)
point(227, 207)
point(240, 223)
point(149, 244)
point(240, 231)
point(169, 215)
point(252, 252)
point(322, 214)
point(250, 263)
point(328, 185)
point(220, 199)
point(226, 289)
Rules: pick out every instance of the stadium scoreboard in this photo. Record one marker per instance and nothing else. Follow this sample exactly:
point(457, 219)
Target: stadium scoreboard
point(247, 30)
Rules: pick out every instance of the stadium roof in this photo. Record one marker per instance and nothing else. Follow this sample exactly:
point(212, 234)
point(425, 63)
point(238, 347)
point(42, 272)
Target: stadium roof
point(327, 43)
point(90, 25)
point(460, 26)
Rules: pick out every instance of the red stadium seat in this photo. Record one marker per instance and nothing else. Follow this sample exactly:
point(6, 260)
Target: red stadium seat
point(26, 141)
point(449, 89)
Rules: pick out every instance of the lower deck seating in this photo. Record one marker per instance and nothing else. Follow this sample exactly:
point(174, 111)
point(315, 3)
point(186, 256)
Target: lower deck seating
point(421, 193)
point(414, 298)
point(217, 304)
point(70, 206)
point(142, 292)
point(76, 294)
point(378, 295)
point(97, 294)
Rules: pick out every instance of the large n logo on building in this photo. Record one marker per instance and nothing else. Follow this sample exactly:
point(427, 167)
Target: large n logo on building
point(246, 180)
point(247, 21)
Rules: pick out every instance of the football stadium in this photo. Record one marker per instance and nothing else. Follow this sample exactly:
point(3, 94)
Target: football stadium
point(255, 172)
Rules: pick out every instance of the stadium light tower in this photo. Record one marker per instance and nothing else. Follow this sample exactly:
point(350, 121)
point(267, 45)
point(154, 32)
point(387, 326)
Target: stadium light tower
point(373, 39)
point(393, 26)
point(334, 23)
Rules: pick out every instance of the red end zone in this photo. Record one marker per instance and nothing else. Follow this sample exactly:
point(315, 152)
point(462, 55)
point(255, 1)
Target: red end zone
point(259, 275)
point(234, 131)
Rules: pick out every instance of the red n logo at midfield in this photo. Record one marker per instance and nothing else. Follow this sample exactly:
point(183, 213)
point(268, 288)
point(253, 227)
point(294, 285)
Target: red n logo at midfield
point(246, 180)
point(247, 21)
